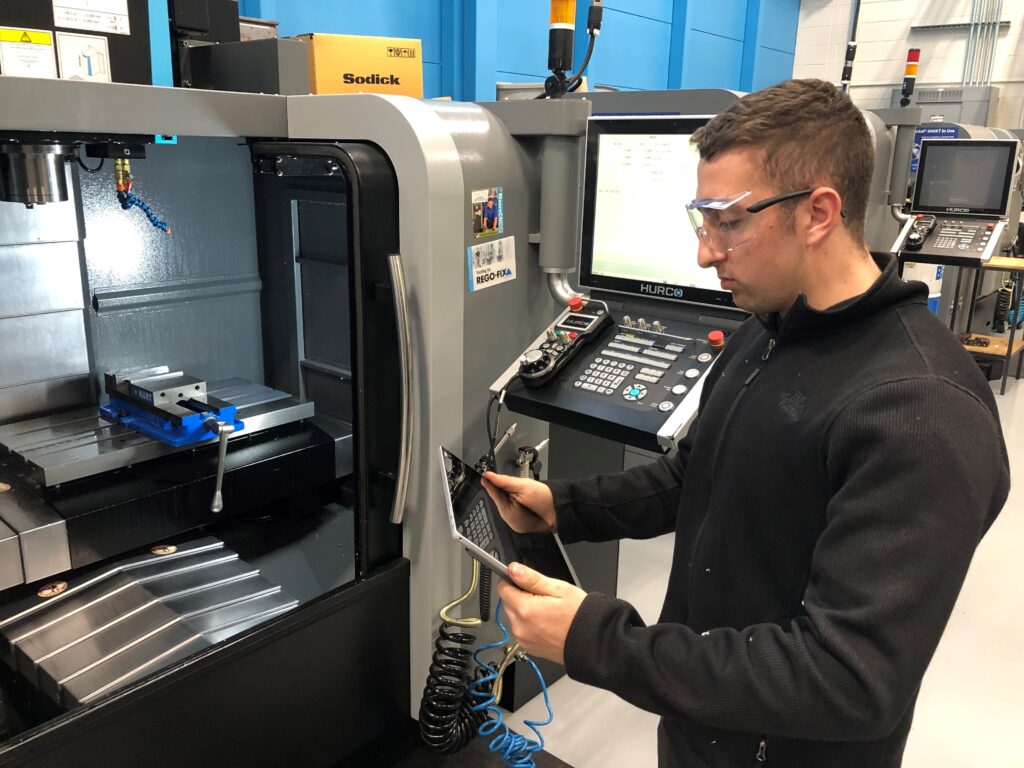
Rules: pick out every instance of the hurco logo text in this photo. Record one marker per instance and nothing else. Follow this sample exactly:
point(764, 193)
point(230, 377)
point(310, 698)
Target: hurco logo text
point(661, 290)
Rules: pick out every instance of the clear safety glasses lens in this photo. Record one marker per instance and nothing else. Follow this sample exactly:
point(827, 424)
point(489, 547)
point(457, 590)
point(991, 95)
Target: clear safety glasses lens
point(702, 214)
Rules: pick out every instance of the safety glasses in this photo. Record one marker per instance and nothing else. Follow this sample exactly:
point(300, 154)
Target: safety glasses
point(724, 225)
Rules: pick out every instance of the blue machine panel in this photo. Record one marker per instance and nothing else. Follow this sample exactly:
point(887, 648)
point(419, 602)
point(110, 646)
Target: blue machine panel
point(710, 61)
point(522, 51)
point(771, 67)
point(646, 44)
point(617, 60)
point(725, 18)
point(432, 84)
point(160, 45)
point(419, 19)
point(521, 38)
point(660, 10)
point(778, 25)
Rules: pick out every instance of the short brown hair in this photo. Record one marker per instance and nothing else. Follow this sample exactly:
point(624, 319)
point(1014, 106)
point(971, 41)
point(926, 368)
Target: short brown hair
point(811, 134)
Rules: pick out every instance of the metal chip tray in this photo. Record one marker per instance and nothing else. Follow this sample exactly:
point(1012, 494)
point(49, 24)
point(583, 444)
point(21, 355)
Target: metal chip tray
point(129, 620)
point(81, 444)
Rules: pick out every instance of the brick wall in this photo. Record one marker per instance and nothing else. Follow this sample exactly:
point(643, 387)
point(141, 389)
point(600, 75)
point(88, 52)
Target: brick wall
point(883, 37)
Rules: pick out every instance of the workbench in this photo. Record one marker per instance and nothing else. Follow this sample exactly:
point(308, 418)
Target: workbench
point(998, 347)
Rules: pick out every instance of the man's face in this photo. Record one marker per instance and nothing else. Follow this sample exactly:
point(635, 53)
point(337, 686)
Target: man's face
point(764, 272)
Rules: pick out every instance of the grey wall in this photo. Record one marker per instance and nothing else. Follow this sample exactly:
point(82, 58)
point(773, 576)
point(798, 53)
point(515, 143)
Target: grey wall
point(189, 300)
point(44, 358)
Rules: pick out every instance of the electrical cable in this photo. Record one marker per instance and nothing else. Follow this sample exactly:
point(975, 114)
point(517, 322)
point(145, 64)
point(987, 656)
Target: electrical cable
point(492, 428)
point(558, 84)
point(447, 719)
point(1001, 314)
point(485, 594)
point(86, 168)
point(1015, 315)
point(577, 79)
point(516, 751)
point(491, 439)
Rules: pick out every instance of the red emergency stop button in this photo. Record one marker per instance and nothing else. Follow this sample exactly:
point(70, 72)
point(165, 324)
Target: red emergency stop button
point(716, 339)
point(575, 303)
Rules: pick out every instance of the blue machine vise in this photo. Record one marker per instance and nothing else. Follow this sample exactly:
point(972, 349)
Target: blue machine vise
point(172, 408)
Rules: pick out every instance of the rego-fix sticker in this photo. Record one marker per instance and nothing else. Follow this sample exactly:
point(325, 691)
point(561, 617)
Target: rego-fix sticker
point(488, 212)
point(492, 263)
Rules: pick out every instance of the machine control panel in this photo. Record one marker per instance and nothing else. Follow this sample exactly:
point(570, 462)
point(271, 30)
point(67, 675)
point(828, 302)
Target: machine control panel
point(579, 325)
point(953, 238)
point(635, 379)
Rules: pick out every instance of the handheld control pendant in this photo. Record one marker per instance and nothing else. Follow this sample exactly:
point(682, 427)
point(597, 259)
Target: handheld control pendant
point(922, 227)
point(575, 328)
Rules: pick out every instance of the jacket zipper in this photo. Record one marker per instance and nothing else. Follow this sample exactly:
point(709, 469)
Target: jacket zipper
point(762, 750)
point(714, 463)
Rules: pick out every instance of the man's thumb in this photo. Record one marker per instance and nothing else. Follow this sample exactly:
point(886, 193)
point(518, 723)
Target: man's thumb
point(532, 581)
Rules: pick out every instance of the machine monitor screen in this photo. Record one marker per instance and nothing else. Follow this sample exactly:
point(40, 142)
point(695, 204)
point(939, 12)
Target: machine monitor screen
point(640, 174)
point(965, 176)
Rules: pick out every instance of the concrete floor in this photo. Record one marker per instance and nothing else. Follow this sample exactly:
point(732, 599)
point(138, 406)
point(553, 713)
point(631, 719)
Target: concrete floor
point(970, 713)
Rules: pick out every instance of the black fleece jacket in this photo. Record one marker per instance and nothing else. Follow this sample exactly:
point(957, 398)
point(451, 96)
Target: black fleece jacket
point(826, 504)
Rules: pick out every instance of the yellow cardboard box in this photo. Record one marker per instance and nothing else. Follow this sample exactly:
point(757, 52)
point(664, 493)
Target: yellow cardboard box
point(356, 64)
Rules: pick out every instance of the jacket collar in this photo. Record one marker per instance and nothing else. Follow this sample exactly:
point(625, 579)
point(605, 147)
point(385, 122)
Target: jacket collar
point(888, 291)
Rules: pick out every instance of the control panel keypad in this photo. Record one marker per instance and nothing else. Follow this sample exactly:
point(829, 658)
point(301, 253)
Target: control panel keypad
point(962, 235)
point(642, 366)
point(604, 376)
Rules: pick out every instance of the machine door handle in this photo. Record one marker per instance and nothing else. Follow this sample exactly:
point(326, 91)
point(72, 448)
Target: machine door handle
point(408, 409)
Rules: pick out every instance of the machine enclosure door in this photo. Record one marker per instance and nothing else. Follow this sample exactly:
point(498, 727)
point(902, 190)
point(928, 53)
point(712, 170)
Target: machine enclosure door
point(316, 684)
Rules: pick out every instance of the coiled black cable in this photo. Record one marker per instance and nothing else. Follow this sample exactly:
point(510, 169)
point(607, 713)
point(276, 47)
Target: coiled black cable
point(485, 595)
point(447, 719)
point(1004, 297)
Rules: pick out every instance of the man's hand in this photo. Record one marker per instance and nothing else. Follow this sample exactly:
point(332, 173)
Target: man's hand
point(526, 505)
point(540, 611)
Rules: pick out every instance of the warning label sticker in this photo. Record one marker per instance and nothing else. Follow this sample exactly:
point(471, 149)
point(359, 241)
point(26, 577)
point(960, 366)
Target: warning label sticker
point(83, 57)
point(27, 53)
point(491, 264)
point(109, 16)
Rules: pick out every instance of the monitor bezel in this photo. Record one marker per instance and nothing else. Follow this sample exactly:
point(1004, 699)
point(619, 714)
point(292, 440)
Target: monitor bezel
point(927, 144)
point(597, 126)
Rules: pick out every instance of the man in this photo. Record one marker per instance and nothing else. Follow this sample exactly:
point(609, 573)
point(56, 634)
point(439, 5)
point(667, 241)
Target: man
point(490, 215)
point(826, 503)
